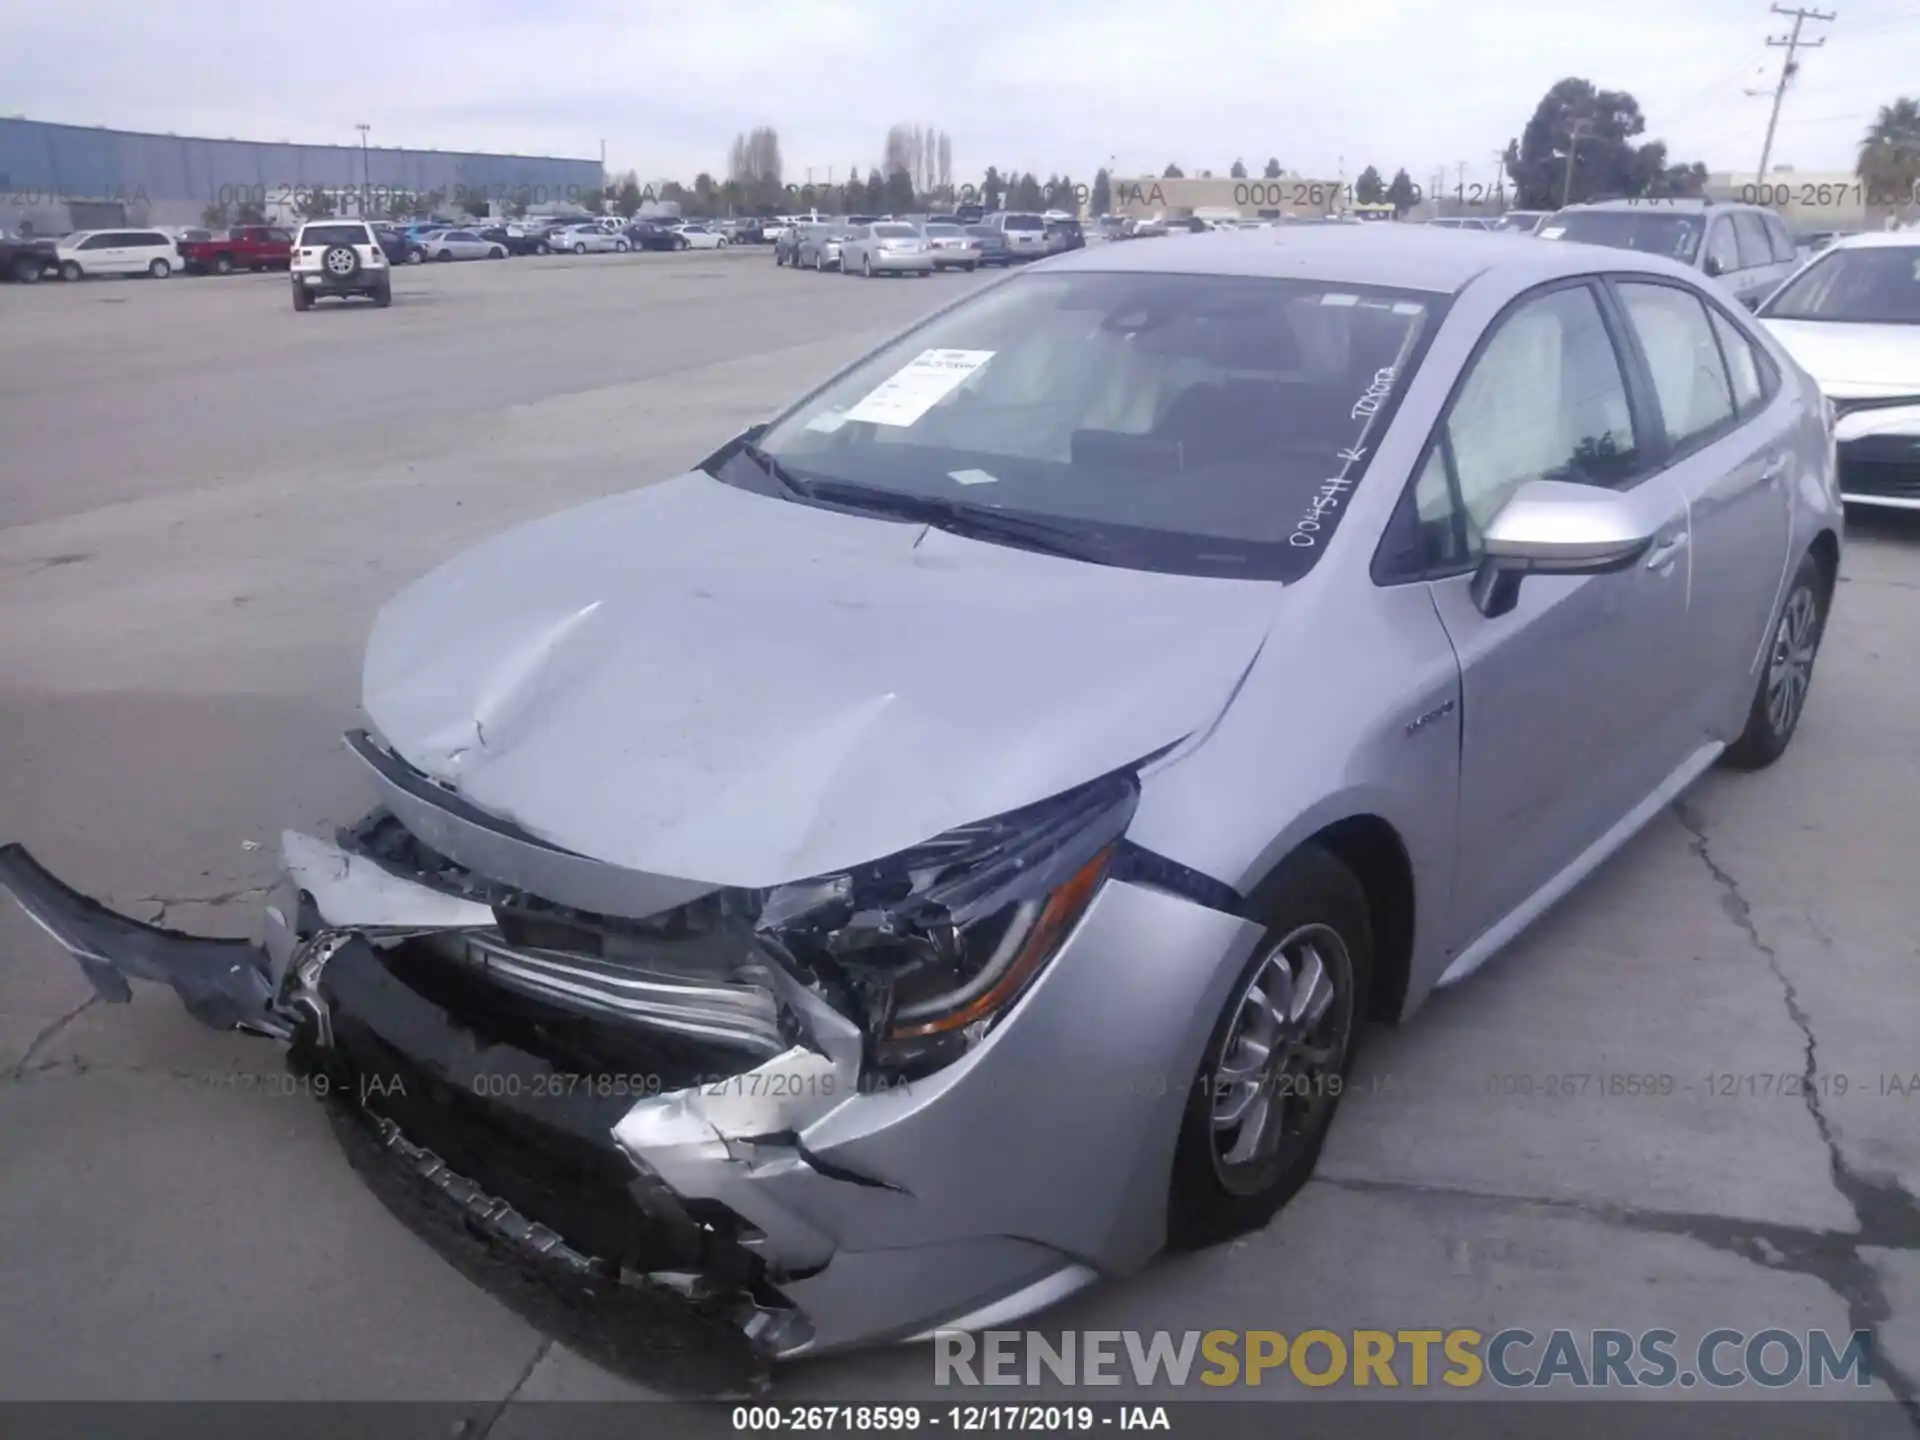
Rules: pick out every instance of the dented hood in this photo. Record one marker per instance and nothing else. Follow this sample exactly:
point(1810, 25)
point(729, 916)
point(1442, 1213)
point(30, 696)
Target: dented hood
point(698, 681)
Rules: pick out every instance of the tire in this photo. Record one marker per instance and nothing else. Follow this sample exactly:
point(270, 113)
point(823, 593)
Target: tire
point(223, 264)
point(679, 244)
point(70, 270)
point(416, 257)
point(445, 257)
point(27, 270)
point(543, 248)
point(1780, 694)
point(969, 267)
point(159, 269)
point(383, 297)
point(819, 263)
point(302, 300)
point(620, 247)
point(579, 247)
point(778, 258)
point(1312, 899)
point(496, 253)
point(723, 243)
point(866, 266)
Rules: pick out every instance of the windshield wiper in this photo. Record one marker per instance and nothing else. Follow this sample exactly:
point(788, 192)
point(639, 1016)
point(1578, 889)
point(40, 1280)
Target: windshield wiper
point(975, 522)
point(777, 472)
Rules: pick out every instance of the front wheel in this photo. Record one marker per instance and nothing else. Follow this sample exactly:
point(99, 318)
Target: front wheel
point(159, 269)
point(968, 267)
point(223, 265)
point(27, 270)
point(543, 248)
point(1270, 1082)
point(1780, 694)
point(866, 266)
point(496, 253)
point(680, 244)
point(71, 270)
point(621, 247)
point(579, 249)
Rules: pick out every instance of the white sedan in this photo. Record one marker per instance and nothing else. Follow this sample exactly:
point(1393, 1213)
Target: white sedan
point(700, 237)
point(460, 245)
point(1851, 317)
point(587, 239)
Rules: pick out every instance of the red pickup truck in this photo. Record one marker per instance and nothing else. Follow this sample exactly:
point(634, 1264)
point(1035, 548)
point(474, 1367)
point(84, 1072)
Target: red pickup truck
point(245, 247)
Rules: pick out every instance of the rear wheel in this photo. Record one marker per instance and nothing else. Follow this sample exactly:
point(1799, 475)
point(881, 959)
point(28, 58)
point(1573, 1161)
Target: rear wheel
point(383, 297)
point(71, 271)
point(1267, 1089)
point(1780, 694)
point(579, 247)
point(444, 255)
point(302, 300)
point(680, 243)
point(27, 270)
point(223, 264)
point(159, 269)
point(866, 266)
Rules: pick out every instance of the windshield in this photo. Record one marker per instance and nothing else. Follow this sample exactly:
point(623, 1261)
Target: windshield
point(1208, 425)
point(1025, 222)
point(1675, 236)
point(944, 232)
point(895, 232)
point(1877, 286)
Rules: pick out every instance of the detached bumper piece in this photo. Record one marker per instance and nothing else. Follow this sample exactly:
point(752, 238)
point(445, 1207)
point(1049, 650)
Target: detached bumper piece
point(484, 1120)
point(223, 983)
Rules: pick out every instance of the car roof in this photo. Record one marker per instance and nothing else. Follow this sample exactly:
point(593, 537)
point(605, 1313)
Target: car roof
point(1441, 260)
point(1677, 204)
point(1877, 240)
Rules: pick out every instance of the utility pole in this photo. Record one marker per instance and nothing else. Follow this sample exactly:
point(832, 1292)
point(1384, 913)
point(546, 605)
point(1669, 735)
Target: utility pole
point(1500, 178)
point(366, 175)
point(1790, 43)
point(1574, 137)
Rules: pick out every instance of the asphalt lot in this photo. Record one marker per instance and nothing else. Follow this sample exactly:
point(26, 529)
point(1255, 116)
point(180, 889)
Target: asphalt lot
point(203, 499)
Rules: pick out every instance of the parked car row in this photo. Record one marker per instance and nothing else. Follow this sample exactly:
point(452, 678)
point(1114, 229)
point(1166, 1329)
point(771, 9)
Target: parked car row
point(922, 244)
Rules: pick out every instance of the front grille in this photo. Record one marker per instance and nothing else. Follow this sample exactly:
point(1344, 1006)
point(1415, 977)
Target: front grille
point(1844, 408)
point(1881, 465)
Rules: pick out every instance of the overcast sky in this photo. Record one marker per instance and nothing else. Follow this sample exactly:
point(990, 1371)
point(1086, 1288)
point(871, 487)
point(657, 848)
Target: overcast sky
point(1067, 86)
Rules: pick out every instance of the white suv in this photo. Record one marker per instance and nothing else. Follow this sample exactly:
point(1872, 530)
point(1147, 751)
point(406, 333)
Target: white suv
point(339, 257)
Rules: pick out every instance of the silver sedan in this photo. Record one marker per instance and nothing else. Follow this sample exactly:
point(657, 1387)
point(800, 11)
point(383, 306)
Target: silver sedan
point(886, 247)
point(588, 240)
point(950, 843)
point(460, 245)
point(953, 248)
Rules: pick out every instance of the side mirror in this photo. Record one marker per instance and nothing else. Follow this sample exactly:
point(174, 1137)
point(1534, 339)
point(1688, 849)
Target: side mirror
point(1713, 268)
point(1555, 527)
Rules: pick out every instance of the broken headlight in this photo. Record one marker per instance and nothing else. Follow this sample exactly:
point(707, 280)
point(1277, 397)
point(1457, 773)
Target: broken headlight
point(932, 946)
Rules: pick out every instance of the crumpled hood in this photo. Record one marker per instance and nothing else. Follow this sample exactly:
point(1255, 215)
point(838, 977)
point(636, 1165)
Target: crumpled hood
point(1855, 360)
point(697, 681)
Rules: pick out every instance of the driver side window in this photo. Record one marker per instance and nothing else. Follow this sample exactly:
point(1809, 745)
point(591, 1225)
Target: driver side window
point(1545, 400)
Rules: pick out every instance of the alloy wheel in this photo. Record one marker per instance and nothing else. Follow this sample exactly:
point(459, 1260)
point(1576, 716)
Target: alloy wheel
point(1790, 665)
point(1280, 1068)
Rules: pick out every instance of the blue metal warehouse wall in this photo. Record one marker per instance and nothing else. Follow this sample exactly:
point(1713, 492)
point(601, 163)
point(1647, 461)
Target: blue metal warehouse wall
point(177, 176)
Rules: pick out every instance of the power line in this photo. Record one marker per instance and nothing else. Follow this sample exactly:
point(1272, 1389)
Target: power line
point(1792, 44)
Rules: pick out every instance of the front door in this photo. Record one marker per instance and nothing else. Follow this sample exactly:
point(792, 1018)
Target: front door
point(1569, 700)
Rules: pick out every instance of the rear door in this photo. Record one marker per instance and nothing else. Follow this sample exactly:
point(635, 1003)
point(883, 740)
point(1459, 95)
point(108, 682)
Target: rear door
point(1759, 272)
point(1570, 700)
point(1730, 448)
point(1720, 256)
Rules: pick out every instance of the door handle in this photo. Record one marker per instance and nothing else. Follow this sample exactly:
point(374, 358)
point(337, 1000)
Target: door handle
point(1663, 553)
point(1776, 467)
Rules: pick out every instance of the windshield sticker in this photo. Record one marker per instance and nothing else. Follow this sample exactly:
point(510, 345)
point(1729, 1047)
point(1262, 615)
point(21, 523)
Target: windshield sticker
point(1553, 232)
point(828, 423)
point(1320, 516)
point(973, 477)
point(922, 383)
point(1331, 299)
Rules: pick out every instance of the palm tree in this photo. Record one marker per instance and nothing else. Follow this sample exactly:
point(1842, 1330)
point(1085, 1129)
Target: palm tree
point(1889, 164)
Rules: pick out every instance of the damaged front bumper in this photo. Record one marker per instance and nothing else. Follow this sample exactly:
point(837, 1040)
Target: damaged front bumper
point(673, 1154)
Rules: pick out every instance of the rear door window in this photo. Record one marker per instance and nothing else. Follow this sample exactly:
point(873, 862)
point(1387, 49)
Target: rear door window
point(1750, 239)
point(1721, 246)
point(1784, 250)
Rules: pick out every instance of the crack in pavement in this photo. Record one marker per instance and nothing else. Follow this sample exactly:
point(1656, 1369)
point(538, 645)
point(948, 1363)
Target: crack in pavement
point(167, 902)
point(46, 1036)
point(1887, 1216)
point(500, 1408)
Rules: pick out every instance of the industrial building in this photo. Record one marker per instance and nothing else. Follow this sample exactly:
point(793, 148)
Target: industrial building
point(59, 178)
